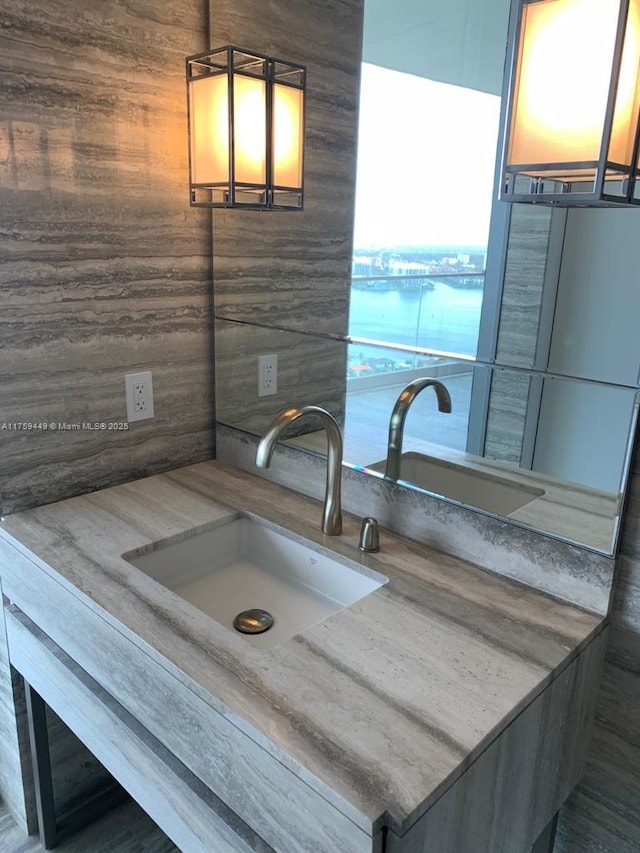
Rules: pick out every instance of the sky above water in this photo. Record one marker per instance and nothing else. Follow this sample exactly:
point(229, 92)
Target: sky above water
point(426, 161)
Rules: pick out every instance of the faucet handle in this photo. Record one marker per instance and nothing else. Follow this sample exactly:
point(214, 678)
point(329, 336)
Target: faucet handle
point(369, 536)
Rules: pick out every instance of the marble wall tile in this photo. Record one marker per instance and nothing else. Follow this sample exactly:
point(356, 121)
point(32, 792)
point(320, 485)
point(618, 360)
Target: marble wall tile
point(106, 269)
point(626, 613)
point(294, 269)
point(630, 544)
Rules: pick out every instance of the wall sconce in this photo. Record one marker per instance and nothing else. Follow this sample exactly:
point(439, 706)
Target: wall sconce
point(246, 130)
point(573, 104)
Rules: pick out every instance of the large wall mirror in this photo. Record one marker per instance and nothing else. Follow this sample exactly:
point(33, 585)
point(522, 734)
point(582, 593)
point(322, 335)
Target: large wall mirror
point(522, 316)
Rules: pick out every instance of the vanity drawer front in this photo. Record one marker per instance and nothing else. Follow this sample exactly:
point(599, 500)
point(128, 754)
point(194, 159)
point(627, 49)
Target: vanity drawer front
point(181, 805)
point(281, 808)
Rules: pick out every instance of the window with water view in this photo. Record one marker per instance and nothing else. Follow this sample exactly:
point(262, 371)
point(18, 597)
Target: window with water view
point(426, 159)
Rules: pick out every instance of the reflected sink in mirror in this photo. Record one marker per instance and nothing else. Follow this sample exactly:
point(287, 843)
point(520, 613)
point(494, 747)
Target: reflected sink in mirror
point(246, 563)
point(463, 485)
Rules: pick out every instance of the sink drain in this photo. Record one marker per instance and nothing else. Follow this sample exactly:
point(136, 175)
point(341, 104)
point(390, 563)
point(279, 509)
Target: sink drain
point(253, 621)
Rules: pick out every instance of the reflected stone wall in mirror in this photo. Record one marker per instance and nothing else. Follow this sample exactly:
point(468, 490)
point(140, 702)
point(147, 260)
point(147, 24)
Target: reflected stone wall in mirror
point(506, 416)
point(570, 295)
point(311, 371)
point(523, 287)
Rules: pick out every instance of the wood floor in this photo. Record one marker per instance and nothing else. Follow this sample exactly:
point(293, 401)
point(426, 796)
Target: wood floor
point(127, 829)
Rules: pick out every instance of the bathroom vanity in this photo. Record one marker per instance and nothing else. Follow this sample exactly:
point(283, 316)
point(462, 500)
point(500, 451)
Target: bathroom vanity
point(446, 711)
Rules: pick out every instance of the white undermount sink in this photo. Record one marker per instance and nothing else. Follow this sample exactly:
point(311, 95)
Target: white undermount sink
point(245, 563)
point(465, 485)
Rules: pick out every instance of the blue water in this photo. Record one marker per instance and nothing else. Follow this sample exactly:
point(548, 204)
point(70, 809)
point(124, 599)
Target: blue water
point(445, 318)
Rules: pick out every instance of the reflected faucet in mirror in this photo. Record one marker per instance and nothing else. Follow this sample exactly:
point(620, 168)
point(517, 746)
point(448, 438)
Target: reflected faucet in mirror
point(399, 415)
point(332, 510)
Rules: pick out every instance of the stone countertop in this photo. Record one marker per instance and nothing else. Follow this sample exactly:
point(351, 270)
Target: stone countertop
point(380, 707)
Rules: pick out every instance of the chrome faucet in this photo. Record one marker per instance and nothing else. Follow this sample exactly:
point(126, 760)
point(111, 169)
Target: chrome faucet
point(398, 417)
point(332, 511)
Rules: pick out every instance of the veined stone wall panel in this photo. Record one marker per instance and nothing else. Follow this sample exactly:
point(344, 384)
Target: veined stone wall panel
point(105, 270)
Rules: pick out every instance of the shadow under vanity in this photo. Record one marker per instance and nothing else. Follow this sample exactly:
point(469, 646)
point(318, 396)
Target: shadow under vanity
point(449, 709)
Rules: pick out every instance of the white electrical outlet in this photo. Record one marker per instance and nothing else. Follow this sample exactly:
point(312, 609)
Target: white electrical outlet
point(139, 396)
point(267, 375)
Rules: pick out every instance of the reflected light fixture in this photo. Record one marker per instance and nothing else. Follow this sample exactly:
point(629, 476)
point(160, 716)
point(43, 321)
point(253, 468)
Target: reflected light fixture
point(573, 104)
point(246, 130)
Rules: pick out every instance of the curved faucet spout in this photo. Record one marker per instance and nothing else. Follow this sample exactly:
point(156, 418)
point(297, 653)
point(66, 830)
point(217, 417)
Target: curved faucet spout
point(332, 511)
point(399, 415)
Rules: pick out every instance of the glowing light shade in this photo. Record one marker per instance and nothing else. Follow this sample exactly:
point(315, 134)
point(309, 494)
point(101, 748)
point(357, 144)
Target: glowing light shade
point(246, 130)
point(573, 104)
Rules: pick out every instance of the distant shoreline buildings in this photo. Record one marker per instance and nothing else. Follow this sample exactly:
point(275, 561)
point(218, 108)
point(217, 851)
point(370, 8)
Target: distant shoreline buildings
point(375, 270)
